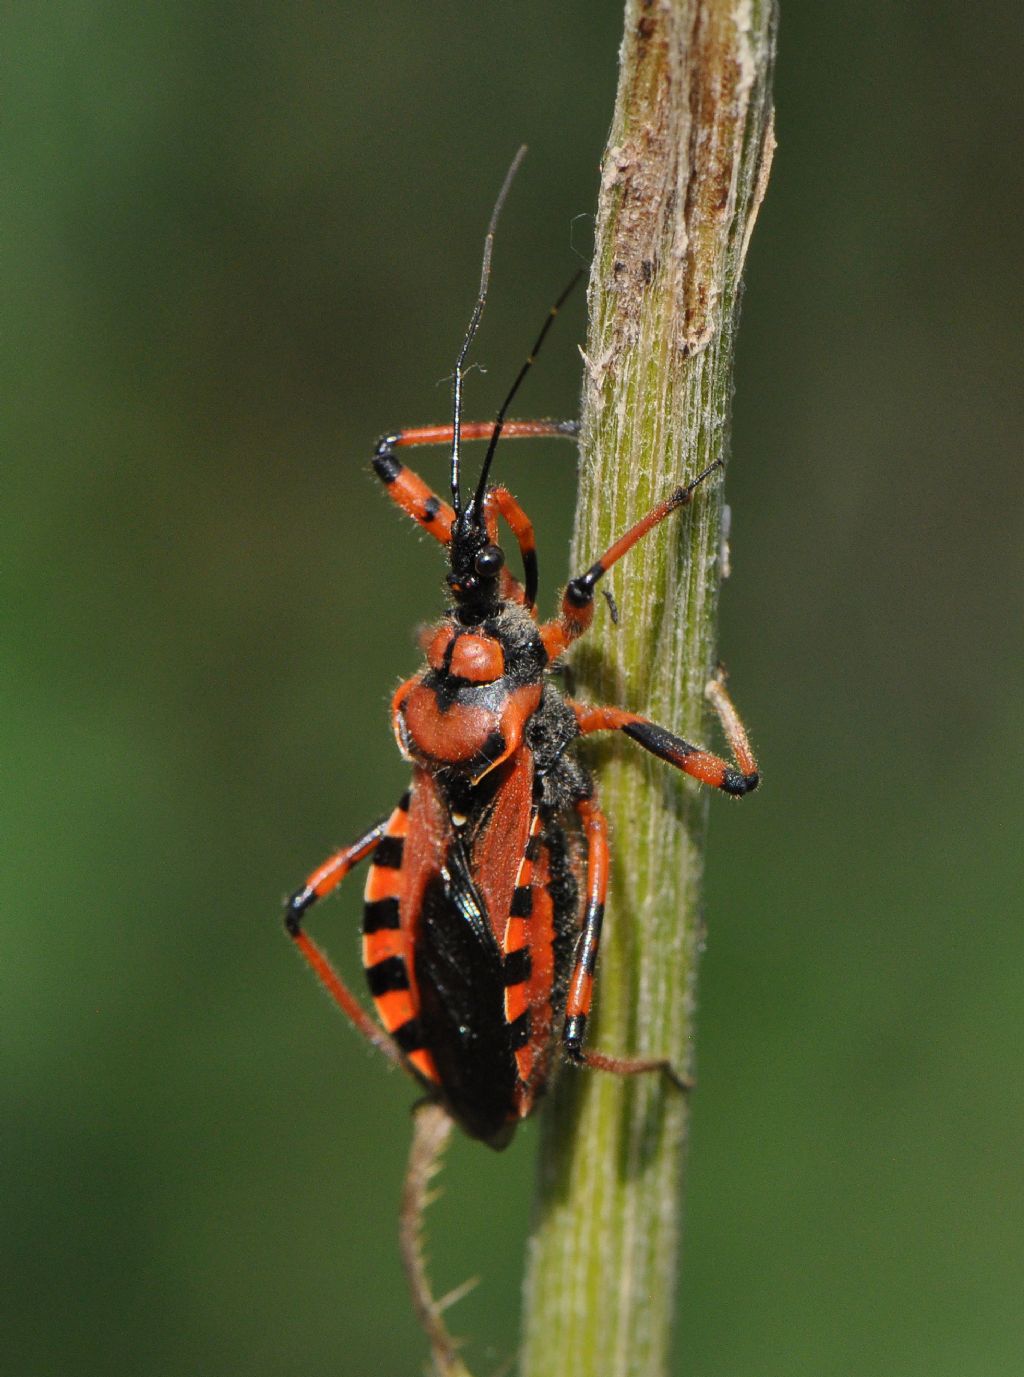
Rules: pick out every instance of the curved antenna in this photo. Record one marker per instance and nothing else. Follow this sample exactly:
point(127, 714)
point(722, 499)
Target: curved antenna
point(499, 420)
point(474, 321)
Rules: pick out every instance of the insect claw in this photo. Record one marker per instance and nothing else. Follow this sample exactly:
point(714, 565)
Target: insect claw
point(295, 908)
point(676, 1078)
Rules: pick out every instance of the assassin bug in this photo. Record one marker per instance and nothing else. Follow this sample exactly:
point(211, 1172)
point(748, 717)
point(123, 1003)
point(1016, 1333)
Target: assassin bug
point(486, 889)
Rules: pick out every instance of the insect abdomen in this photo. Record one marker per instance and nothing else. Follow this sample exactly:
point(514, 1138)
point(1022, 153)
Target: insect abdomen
point(387, 948)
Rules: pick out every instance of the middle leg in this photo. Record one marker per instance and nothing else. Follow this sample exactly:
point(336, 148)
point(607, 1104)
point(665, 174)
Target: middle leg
point(738, 779)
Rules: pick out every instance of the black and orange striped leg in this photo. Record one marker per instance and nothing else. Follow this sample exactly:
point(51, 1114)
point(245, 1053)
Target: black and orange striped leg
point(732, 725)
point(323, 880)
point(737, 780)
point(499, 499)
point(577, 611)
point(581, 983)
point(408, 491)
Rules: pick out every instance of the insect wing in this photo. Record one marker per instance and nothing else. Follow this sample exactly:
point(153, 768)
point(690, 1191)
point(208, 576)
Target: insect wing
point(460, 886)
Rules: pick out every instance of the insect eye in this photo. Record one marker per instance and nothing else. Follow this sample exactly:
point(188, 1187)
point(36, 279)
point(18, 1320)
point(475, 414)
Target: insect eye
point(489, 561)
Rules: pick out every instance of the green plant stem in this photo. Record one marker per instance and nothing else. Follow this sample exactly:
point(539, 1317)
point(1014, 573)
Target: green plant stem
point(682, 179)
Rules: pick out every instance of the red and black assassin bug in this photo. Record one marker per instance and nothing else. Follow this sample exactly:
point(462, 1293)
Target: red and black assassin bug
point(486, 889)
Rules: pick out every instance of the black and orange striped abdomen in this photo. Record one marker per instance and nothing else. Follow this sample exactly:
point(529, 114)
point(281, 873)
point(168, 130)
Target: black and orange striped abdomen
point(471, 999)
point(387, 945)
point(531, 963)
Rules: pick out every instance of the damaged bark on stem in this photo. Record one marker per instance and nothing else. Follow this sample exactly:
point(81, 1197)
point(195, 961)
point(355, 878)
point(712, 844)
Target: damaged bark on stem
point(682, 178)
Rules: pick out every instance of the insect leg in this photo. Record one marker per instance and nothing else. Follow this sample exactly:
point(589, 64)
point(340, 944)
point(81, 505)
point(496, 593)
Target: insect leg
point(578, 597)
point(732, 725)
point(581, 983)
point(739, 779)
point(408, 490)
point(323, 880)
point(501, 500)
point(411, 493)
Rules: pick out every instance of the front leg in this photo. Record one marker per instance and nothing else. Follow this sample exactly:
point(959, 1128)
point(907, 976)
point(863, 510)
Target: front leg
point(578, 597)
point(408, 490)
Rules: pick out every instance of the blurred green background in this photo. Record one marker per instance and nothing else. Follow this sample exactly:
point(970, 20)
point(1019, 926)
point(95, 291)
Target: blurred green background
point(240, 241)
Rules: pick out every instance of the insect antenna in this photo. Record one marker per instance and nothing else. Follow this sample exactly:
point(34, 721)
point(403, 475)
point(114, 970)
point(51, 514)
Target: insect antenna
point(474, 321)
point(499, 420)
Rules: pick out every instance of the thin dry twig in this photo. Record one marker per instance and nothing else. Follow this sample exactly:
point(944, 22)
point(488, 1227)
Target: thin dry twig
point(432, 1128)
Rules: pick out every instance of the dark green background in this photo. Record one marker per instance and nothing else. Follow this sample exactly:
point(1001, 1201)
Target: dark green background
point(239, 242)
